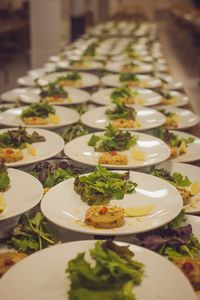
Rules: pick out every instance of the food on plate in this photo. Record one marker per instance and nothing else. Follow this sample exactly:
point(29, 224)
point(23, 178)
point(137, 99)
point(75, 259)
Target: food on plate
point(176, 242)
point(54, 93)
point(168, 98)
point(52, 173)
point(126, 95)
point(185, 186)
point(73, 79)
point(4, 184)
point(139, 211)
point(40, 114)
point(73, 131)
point(104, 216)
point(80, 64)
point(130, 67)
point(113, 158)
point(9, 259)
point(177, 144)
point(90, 51)
point(100, 186)
point(29, 235)
point(113, 140)
point(123, 116)
point(13, 141)
point(112, 274)
point(172, 119)
point(129, 79)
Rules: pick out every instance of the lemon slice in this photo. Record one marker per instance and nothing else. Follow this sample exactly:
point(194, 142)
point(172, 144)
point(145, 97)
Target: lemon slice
point(2, 202)
point(194, 188)
point(54, 119)
point(139, 211)
point(31, 150)
point(138, 154)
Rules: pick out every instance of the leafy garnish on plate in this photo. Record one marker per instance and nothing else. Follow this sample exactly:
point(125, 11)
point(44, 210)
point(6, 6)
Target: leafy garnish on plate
point(121, 111)
point(53, 90)
point(72, 76)
point(17, 138)
point(4, 178)
point(113, 140)
point(41, 110)
point(100, 186)
point(30, 234)
point(113, 276)
point(123, 92)
point(128, 77)
point(177, 179)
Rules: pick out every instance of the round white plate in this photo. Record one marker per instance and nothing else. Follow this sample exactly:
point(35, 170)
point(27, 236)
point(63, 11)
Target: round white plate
point(27, 80)
point(37, 73)
point(69, 211)
point(42, 275)
point(187, 118)
point(155, 151)
point(170, 83)
point(11, 117)
point(24, 193)
point(91, 65)
point(146, 81)
point(180, 99)
point(76, 96)
point(192, 172)
point(53, 145)
point(13, 95)
point(125, 58)
point(147, 117)
point(118, 67)
point(88, 79)
point(192, 150)
point(148, 97)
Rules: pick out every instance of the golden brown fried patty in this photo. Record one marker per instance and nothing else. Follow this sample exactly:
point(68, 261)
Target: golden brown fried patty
point(8, 259)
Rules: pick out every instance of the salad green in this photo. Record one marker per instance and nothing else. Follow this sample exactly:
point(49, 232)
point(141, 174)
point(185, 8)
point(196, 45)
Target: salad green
point(113, 276)
point(128, 77)
point(41, 110)
point(4, 178)
point(53, 90)
point(102, 185)
point(121, 111)
point(122, 92)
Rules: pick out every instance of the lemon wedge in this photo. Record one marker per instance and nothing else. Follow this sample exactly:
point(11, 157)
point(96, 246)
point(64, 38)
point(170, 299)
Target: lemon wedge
point(54, 119)
point(31, 150)
point(139, 211)
point(194, 188)
point(2, 202)
point(138, 154)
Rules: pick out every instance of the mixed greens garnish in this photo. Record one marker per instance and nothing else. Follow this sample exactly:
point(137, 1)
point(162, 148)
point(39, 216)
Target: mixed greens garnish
point(102, 185)
point(41, 110)
point(123, 92)
point(72, 76)
point(73, 132)
point(113, 276)
point(121, 111)
point(113, 140)
point(53, 90)
point(4, 178)
point(91, 49)
point(171, 138)
point(128, 77)
point(166, 94)
point(18, 138)
point(176, 179)
point(80, 108)
point(50, 174)
point(30, 234)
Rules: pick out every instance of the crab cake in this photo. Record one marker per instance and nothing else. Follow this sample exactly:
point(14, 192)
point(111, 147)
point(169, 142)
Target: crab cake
point(8, 259)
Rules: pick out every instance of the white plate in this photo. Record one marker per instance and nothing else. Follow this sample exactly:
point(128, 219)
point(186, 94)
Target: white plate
point(154, 149)
point(149, 97)
point(42, 275)
point(13, 95)
point(88, 79)
point(192, 150)
point(11, 117)
point(76, 96)
point(187, 118)
point(69, 211)
point(171, 83)
point(37, 73)
point(118, 67)
point(53, 145)
point(147, 117)
point(193, 173)
point(24, 193)
point(125, 58)
point(27, 80)
point(146, 81)
point(180, 98)
point(91, 65)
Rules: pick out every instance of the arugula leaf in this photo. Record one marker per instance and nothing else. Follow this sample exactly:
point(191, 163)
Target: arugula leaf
point(73, 131)
point(53, 90)
point(121, 111)
point(41, 109)
point(128, 77)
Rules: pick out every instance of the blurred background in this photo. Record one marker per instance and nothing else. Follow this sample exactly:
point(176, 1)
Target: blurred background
point(32, 30)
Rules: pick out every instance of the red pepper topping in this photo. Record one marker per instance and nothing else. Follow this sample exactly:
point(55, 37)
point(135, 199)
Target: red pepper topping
point(103, 210)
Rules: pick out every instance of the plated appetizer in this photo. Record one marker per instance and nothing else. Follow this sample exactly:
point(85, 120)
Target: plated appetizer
point(168, 98)
point(110, 143)
point(12, 142)
point(4, 185)
point(176, 142)
point(172, 118)
point(40, 114)
point(72, 79)
point(54, 93)
point(126, 95)
point(130, 79)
